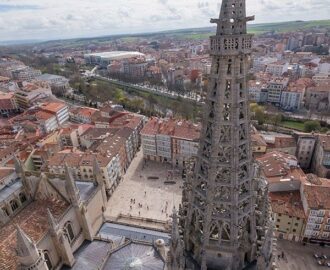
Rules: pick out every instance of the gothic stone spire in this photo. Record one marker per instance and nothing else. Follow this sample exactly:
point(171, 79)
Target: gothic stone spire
point(220, 222)
point(71, 186)
point(27, 251)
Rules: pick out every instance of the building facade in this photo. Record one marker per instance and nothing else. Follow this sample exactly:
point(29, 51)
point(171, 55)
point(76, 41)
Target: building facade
point(321, 158)
point(305, 150)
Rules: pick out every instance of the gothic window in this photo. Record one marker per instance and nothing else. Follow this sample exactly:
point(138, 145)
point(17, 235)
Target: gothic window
point(226, 112)
point(241, 110)
point(47, 260)
point(228, 85)
point(5, 210)
point(236, 42)
point(243, 172)
point(229, 67)
point(69, 231)
point(211, 115)
point(214, 232)
point(217, 66)
point(225, 134)
point(13, 205)
point(215, 89)
point(22, 197)
point(209, 131)
point(242, 152)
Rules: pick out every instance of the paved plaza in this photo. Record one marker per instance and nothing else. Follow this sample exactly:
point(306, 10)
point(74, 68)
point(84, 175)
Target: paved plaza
point(142, 198)
point(298, 256)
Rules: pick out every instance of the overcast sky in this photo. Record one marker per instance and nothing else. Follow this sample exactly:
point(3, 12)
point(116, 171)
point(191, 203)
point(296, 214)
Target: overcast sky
point(50, 19)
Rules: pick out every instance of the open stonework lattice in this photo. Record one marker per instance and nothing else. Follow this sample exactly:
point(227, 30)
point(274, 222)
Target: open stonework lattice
point(218, 215)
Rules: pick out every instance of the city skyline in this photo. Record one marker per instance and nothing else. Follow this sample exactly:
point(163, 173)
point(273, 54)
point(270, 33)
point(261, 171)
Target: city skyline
point(45, 20)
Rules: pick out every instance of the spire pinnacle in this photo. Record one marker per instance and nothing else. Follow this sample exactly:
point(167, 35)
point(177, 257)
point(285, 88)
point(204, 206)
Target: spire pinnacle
point(97, 172)
point(51, 220)
point(26, 248)
point(71, 186)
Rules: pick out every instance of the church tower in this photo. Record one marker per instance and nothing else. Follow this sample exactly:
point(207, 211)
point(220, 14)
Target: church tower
point(219, 200)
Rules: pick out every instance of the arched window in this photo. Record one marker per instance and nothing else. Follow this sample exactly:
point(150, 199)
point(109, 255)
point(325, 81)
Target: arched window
point(5, 210)
point(13, 205)
point(69, 231)
point(22, 197)
point(47, 260)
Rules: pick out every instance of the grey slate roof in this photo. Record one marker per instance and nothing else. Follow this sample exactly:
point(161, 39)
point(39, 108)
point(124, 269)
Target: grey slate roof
point(85, 189)
point(109, 230)
point(90, 255)
point(10, 189)
point(135, 257)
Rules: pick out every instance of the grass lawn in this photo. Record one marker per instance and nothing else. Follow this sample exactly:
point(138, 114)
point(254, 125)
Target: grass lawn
point(293, 125)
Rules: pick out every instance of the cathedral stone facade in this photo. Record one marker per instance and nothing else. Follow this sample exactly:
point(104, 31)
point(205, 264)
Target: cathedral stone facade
point(225, 218)
point(45, 218)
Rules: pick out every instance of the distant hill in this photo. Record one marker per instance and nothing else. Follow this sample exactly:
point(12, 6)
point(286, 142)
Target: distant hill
point(256, 29)
point(193, 33)
point(288, 26)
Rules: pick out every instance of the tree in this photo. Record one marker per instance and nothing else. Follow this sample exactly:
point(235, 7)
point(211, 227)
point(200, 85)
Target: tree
point(260, 116)
point(310, 126)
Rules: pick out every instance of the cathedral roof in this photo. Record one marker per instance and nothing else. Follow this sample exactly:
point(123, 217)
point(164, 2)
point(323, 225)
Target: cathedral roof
point(33, 221)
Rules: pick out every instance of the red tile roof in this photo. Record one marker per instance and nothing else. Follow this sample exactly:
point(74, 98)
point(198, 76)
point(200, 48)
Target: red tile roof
point(287, 203)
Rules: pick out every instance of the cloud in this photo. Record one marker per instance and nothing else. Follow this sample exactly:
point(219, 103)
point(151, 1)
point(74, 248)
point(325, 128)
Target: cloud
point(50, 19)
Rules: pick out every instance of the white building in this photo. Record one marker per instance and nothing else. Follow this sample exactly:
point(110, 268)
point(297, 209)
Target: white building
point(47, 121)
point(255, 91)
point(106, 58)
point(25, 74)
point(58, 84)
point(275, 88)
point(292, 99)
point(278, 68)
point(260, 64)
point(60, 110)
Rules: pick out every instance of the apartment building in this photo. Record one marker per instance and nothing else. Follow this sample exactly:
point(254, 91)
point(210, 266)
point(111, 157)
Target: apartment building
point(82, 115)
point(305, 149)
point(168, 140)
point(318, 97)
point(277, 68)
point(292, 99)
point(82, 166)
point(47, 121)
point(27, 74)
point(315, 198)
point(60, 110)
point(8, 104)
point(281, 171)
point(30, 93)
point(288, 214)
point(59, 84)
point(321, 158)
point(275, 88)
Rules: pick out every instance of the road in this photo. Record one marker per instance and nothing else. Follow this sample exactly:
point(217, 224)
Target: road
point(155, 91)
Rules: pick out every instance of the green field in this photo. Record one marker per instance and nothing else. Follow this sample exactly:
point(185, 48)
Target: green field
point(283, 27)
point(293, 125)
